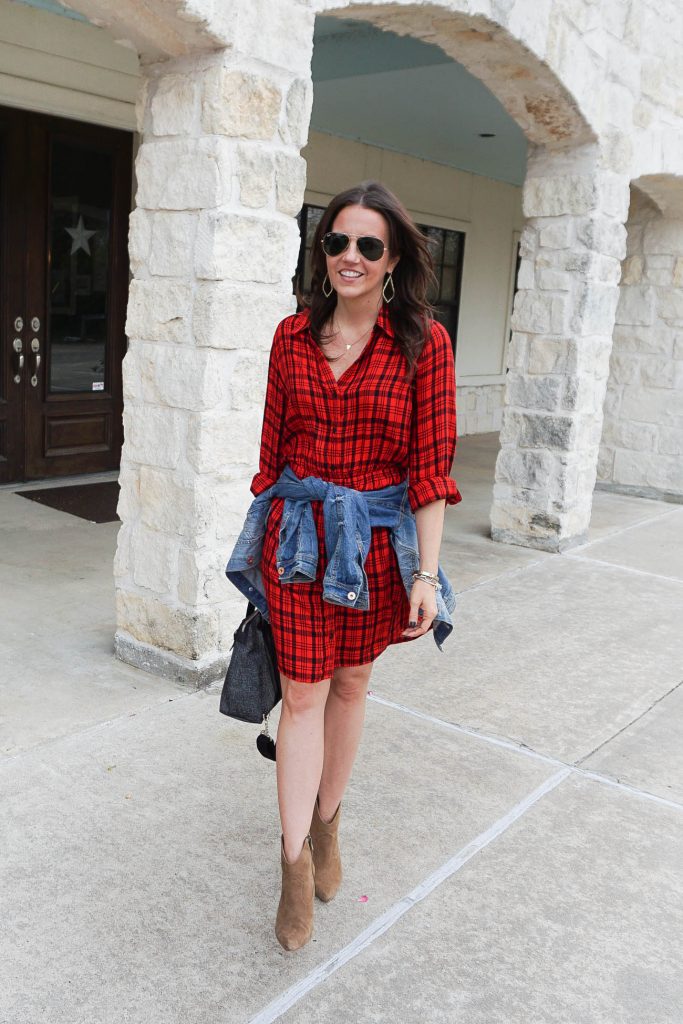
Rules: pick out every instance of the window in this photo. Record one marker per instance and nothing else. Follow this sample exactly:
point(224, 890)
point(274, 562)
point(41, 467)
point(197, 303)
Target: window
point(447, 252)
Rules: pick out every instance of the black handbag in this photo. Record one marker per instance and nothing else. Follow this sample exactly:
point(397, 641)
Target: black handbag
point(252, 685)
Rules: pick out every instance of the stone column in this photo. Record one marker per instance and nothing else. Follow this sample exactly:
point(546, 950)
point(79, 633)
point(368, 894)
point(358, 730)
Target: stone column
point(213, 245)
point(571, 248)
point(642, 441)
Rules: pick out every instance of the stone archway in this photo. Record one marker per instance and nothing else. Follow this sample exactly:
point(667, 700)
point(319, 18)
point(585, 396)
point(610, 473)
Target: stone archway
point(224, 112)
point(642, 442)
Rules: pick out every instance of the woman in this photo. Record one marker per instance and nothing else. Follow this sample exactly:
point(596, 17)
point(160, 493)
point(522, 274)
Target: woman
point(361, 395)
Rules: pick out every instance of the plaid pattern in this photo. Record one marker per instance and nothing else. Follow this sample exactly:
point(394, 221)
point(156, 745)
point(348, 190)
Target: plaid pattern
point(366, 431)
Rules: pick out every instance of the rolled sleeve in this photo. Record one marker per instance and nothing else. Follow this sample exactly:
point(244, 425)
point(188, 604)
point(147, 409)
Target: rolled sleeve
point(271, 458)
point(433, 428)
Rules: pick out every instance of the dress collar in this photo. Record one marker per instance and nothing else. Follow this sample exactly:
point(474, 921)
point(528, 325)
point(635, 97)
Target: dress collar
point(301, 321)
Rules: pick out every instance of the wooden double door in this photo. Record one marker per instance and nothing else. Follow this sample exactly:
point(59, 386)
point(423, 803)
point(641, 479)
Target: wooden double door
point(65, 198)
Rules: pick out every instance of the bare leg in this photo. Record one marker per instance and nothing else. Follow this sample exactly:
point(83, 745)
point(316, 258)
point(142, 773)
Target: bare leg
point(300, 738)
point(344, 716)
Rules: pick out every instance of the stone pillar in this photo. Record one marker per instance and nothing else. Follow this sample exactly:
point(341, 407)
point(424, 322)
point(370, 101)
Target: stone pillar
point(213, 245)
point(642, 441)
point(571, 248)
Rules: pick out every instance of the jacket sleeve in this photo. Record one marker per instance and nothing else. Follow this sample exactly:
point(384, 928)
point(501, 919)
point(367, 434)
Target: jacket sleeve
point(433, 427)
point(271, 459)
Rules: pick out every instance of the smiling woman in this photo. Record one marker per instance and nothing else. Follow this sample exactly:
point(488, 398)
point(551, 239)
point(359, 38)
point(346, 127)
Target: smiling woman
point(358, 441)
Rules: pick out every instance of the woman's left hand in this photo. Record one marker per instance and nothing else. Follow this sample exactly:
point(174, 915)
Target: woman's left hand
point(422, 598)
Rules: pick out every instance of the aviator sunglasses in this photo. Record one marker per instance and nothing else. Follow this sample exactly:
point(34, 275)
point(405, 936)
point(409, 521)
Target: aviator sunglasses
point(334, 243)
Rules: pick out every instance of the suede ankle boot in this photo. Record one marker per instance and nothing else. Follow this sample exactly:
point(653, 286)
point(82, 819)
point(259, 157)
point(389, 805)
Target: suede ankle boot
point(326, 858)
point(294, 921)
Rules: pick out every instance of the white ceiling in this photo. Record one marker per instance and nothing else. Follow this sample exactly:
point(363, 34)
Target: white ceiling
point(402, 94)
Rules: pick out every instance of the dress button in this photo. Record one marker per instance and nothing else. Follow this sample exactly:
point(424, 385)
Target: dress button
point(280, 571)
point(250, 560)
point(351, 595)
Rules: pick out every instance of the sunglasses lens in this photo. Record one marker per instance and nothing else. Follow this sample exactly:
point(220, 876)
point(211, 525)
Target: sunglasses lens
point(334, 243)
point(371, 248)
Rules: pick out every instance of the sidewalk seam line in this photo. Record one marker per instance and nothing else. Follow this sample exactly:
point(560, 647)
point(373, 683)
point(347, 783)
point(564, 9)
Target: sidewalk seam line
point(528, 752)
point(390, 916)
point(624, 568)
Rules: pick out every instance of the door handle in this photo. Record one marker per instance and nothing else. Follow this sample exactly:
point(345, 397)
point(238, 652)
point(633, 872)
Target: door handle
point(35, 348)
point(17, 345)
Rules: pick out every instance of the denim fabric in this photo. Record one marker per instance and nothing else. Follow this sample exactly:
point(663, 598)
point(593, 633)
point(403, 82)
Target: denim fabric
point(349, 516)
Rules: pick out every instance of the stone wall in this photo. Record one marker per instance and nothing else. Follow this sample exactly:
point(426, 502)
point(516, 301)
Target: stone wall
point(642, 441)
point(480, 408)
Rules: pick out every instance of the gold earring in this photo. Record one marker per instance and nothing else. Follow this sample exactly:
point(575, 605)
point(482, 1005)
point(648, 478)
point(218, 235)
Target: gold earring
point(389, 280)
point(325, 293)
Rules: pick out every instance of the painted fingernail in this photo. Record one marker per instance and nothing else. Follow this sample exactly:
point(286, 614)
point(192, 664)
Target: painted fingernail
point(412, 623)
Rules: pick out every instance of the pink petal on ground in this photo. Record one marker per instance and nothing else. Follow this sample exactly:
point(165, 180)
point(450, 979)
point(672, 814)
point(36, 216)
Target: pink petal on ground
point(362, 899)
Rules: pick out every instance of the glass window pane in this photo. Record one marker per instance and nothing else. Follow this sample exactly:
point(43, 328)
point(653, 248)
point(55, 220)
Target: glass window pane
point(448, 283)
point(80, 213)
point(452, 249)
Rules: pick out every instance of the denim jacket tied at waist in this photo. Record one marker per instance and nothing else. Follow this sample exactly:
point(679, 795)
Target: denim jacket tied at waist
point(349, 516)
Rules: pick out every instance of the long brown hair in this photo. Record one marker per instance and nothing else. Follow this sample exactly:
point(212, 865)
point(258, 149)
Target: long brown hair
point(410, 311)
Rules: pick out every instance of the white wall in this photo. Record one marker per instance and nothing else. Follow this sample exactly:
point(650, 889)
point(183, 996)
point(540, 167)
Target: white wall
point(56, 65)
point(490, 214)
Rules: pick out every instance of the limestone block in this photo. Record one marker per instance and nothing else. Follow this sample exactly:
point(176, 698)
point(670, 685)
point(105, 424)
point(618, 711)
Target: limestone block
point(538, 313)
point(128, 506)
point(122, 557)
point(556, 234)
point(613, 396)
point(280, 34)
point(640, 469)
point(595, 309)
point(659, 270)
point(632, 272)
point(201, 576)
point(614, 195)
point(663, 235)
point(657, 339)
point(186, 174)
point(636, 305)
point(582, 394)
point(670, 440)
point(183, 378)
point(524, 468)
point(562, 194)
point(541, 392)
point(670, 302)
point(225, 443)
point(537, 430)
point(154, 435)
point(616, 105)
point(172, 243)
point(174, 105)
point(248, 380)
point(290, 182)
point(517, 351)
point(139, 240)
point(677, 350)
point(231, 501)
point(677, 279)
point(159, 310)
point(625, 368)
point(239, 104)
point(234, 316)
point(243, 248)
point(641, 437)
point(554, 280)
point(658, 372)
point(605, 463)
point(296, 119)
point(652, 405)
point(155, 560)
point(526, 275)
point(189, 632)
point(172, 507)
point(552, 355)
point(255, 167)
point(599, 234)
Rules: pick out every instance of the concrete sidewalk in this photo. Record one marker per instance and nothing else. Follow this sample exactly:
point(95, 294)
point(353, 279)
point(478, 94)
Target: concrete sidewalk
point(515, 818)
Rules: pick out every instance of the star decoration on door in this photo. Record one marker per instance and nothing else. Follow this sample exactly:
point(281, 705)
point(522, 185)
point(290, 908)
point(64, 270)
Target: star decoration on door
point(80, 237)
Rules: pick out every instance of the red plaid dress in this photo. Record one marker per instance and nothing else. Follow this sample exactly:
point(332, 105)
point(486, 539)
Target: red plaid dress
point(367, 430)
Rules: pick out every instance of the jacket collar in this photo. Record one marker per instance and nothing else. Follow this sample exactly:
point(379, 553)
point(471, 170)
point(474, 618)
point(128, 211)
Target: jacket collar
point(301, 320)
